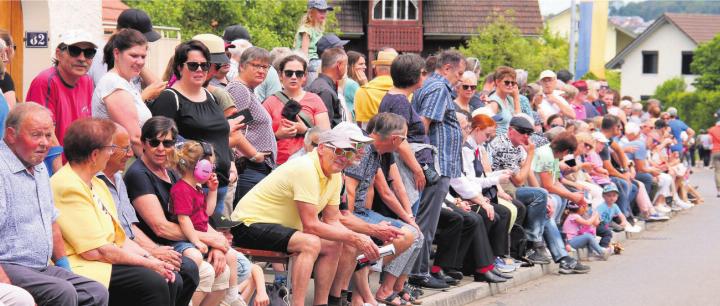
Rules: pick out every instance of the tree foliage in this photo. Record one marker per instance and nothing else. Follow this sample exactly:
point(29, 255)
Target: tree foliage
point(272, 23)
point(695, 108)
point(664, 90)
point(500, 43)
point(706, 64)
point(650, 10)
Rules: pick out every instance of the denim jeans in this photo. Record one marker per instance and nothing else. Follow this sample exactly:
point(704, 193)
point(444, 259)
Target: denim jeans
point(535, 199)
point(560, 204)
point(647, 180)
point(246, 181)
point(626, 195)
point(586, 240)
point(554, 241)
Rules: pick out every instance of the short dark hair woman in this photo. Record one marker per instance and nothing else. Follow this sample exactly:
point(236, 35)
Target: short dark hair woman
point(194, 109)
point(96, 245)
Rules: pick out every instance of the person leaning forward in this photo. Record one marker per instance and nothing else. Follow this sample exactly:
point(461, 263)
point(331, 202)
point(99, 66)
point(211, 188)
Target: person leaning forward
point(29, 234)
point(281, 214)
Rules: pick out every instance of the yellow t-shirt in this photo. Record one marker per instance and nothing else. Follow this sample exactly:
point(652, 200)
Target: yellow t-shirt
point(88, 220)
point(273, 199)
point(369, 96)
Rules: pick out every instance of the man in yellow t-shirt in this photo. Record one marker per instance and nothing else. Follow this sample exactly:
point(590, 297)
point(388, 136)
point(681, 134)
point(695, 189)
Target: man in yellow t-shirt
point(281, 214)
point(369, 96)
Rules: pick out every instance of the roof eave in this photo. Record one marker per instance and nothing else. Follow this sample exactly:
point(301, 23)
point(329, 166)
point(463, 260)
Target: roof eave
point(616, 62)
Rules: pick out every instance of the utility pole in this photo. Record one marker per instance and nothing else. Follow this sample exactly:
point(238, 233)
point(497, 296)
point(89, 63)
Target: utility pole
point(573, 31)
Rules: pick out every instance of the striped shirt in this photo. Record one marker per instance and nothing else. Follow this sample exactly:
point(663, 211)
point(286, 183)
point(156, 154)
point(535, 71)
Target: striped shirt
point(434, 101)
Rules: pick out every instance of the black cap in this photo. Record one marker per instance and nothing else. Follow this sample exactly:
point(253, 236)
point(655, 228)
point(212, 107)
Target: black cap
point(138, 20)
point(522, 124)
point(564, 75)
point(234, 32)
point(218, 221)
point(329, 41)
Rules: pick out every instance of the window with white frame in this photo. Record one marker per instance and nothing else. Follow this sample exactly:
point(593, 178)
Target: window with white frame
point(395, 10)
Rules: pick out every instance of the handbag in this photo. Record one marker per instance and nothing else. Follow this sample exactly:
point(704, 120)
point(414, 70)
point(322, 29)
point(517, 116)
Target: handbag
point(279, 294)
point(292, 108)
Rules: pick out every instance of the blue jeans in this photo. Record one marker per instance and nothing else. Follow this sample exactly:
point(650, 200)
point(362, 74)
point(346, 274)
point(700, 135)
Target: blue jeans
point(586, 240)
point(647, 180)
point(554, 241)
point(535, 199)
point(246, 181)
point(627, 194)
point(560, 204)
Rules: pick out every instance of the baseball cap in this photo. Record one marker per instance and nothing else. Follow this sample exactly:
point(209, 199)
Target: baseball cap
point(610, 188)
point(319, 4)
point(76, 36)
point(548, 74)
point(385, 58)
point(234, 32)
point(329, 41)
point(219, 221)
point(216, 45)
point(353, 131)
point(522, 124)
point(600, 137)
point(581, 85)
point(337, 137)
point(138, 20)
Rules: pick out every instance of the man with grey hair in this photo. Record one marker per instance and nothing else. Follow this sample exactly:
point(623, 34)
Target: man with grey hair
point(29, 236)
point(333, 69)
point(434, 103)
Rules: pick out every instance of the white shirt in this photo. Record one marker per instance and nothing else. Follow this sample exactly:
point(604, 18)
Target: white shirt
point(110, 83)
point(547, 108)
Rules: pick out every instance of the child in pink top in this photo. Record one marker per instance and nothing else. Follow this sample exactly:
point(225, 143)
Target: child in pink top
point(580, 230)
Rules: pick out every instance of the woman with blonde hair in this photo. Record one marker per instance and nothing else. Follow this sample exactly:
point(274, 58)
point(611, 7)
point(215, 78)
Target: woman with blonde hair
point(311, 29)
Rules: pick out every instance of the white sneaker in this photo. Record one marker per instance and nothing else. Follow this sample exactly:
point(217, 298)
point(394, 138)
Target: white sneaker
point(682, 204)
point(663, 209)
point(632, 228)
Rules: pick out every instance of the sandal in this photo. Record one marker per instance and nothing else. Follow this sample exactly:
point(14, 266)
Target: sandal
point(394, 300)
point(408, 297)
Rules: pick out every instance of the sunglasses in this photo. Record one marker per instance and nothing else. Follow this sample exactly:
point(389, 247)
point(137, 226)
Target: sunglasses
point(297, 73)
point(166, 143)
point(469, 87)
point(75, 51)
point(523, 131)
point(509, 83)
point(218, 66)
point(193, 66)
point(359, 146)
point(346, 153)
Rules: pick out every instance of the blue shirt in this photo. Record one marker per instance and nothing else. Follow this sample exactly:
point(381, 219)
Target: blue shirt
point(677, 126)
point(434, 101)
point(27, 212)
point(640, 153)
point(4, 110)
point(125, 210)
point(607, 213)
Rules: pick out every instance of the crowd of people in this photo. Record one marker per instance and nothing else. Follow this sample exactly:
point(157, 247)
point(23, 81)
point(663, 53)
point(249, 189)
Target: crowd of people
point(121, 187)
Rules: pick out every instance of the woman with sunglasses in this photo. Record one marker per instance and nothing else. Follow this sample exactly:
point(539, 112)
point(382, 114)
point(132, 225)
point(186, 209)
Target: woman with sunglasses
point(506, 100)
point(95, 243)
point(289, 132)
point(466, 92)
point(196, 111)
point(116, 96)
point(7, 86)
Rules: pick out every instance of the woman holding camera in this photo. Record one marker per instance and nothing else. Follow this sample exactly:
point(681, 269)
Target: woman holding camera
point(293, 110)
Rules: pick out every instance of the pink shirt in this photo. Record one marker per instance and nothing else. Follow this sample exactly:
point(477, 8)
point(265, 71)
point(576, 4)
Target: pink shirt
point(66, 103)
point(572, 228)
point(579, 111)
point(311, 104)
point(596, 161)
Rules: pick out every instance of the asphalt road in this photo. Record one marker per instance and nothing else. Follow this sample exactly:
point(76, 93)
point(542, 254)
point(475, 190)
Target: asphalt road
point(674, 263)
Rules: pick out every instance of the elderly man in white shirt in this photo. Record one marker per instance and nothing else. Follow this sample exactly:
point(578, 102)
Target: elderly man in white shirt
point(552, 103)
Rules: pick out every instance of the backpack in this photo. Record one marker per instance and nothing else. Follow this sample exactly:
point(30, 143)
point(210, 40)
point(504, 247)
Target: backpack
point(518, 243)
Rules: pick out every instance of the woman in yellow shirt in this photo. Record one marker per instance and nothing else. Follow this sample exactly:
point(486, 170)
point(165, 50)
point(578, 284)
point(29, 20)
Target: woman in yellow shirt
point(95, 243)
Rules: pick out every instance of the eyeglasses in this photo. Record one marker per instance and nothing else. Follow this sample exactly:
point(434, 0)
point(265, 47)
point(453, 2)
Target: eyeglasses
point(290, 73)
point(509, 83)
point(166, 143)
point(469, 87)
point(75, 51)
point(401, 137)
point(116, 148)
point(346, 153)
point(193, 66)
point(259, 66)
